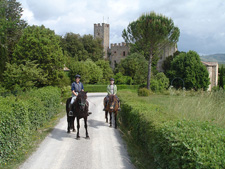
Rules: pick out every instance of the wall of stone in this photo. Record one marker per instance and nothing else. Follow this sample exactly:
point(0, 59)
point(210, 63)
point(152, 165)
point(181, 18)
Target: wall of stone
point(212, 68)
point(117, 52)
point(102, 31)
point(167, 51)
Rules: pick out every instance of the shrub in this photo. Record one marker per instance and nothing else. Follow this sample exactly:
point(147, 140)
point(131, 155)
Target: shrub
point(21, 115)
point(174, 143)
point(144, 92)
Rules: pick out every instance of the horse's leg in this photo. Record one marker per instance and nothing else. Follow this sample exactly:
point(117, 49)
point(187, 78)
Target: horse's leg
point(68, 121)
point(115, 119)
point(78, 127)
point(85, 125)
point(106, 116)
point(74, 130)
point(110, 123)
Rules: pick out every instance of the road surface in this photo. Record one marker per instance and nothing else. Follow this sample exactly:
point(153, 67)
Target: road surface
point(104, 150)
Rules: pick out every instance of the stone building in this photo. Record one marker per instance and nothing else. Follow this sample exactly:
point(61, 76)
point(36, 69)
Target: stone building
point(102, 32)
point(167, 51)
point(117, 52)
point(212, 68)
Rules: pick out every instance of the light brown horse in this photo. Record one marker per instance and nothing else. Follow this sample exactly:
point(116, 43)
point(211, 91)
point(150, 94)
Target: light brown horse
point(111, 107)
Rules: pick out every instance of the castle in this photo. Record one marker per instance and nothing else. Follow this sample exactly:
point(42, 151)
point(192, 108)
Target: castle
point(116, 52)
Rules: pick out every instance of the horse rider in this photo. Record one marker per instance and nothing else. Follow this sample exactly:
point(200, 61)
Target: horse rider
point(111, 90)
point(76, 87)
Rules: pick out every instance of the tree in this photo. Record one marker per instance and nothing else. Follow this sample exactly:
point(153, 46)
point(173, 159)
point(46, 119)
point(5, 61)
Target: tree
point(89, 71)
point(72, 44)
point(149, 34)
point(93, 47)
point(221, 77)
point(42, 45)
point(189, 67)
point(11, 26)
point(23, 76)
point(135, 66)
point(106, 70)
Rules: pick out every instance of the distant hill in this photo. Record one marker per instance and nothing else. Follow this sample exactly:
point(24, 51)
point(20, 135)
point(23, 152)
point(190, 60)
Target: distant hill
point(220, 58)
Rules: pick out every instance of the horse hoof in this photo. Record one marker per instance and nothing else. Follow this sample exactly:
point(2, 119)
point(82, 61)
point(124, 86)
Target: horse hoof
point(68, 131)
point(74, 130)
point(87, 137)
point(110, 125)
point(78, 138)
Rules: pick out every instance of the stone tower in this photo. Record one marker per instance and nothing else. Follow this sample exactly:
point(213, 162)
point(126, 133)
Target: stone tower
point(102, 32)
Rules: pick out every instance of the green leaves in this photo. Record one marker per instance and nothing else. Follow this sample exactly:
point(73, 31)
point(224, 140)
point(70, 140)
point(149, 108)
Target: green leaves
point(188, 66)
point(41, 45)
point(23, 76)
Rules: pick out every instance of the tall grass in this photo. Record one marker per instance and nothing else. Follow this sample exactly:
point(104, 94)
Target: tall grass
point(192, 105)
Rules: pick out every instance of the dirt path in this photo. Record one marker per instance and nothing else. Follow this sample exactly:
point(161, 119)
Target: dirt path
point(104, 150)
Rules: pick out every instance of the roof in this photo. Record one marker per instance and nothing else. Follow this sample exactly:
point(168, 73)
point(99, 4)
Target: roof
point(210, 63)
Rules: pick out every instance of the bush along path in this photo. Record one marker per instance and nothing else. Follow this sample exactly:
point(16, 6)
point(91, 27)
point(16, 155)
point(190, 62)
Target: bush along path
point(20, 117)
point(173, 143)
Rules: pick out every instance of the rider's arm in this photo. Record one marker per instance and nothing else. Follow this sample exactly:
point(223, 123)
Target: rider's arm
point(115, 90)
point(74, 93)
point(108, 90)
point(82, 87)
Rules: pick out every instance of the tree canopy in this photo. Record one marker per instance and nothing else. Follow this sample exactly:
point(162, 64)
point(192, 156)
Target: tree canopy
point(11, 26)
point(135, 66)
point(149, 34)
point(189, 67)
point(42, 45)
point(82, 48)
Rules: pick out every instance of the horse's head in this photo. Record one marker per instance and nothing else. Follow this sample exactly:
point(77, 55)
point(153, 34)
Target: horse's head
point(81, 100)
point(112, 102)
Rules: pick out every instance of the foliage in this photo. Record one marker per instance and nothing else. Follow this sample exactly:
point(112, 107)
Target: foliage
point(23, 76)
point(159, 82)
point(135, 66)
point(167, 62)
point(11, 26)
point(102, 88)
point(174, 142)
point(20, 116)
point(82, 48)
point(149, 34)
point(89, 71)
point(188, 66)
point(41, 44)
point(121, 79)
point(106, 70)
point(144, 92)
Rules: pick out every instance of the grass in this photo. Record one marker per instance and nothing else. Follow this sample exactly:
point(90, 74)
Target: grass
point(37, 137)
point(190, 105)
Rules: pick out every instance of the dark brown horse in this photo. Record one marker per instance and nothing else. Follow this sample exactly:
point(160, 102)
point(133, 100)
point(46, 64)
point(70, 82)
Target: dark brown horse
point(70, 118)
point(111, 107)
point(80, 109)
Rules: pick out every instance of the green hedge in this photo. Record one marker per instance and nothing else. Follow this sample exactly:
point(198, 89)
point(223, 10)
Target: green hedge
point(22, 115)
point(174, 143)
point(102, 88)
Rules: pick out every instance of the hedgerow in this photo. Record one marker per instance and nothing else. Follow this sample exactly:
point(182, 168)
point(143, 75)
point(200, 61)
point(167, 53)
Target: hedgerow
point(174, 143)
point(22, 115)
point(102, 88)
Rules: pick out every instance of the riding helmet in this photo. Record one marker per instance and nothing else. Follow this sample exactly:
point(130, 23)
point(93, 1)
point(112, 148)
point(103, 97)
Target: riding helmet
point(111, 79)
point(77, 76)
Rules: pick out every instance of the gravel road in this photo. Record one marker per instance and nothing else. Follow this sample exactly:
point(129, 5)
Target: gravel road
point(104, 150)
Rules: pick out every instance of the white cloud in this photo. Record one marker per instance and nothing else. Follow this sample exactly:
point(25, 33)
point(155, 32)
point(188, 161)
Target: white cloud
point(201, 22)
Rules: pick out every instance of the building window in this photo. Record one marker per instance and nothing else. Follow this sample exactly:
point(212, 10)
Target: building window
point(124, 53)
point(114, 51)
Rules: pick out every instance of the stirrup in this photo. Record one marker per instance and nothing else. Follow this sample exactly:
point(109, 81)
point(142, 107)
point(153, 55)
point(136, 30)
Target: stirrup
point(70, 113)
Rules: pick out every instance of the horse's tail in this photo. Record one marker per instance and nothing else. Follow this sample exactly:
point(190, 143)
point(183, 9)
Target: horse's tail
point(67, 104)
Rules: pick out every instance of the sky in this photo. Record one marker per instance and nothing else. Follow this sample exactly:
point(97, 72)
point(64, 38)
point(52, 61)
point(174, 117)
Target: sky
point(201, 22)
